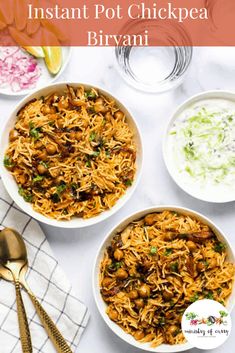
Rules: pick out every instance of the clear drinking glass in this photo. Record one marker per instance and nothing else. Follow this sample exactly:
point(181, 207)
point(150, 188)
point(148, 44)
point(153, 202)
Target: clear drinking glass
point(155, 68)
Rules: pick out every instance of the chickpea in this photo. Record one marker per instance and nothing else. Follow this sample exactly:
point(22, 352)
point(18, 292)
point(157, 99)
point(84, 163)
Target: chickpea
point(78, 135)
point(99, 106)
point(41, 169)
point(46, 109)
point(139, 303)
point(38, 145)
point(113, 314)
point(25, 124)
point(191, 245)
point(108, 116)
point(51, 149)
point(60, 123)
point(144, 291)
point(118, 254)
point(119, 115)
point(107, 281)
point(55, 172)
point(139, 335)
point(85, 123)
point(173, 330)
point(149, 337)
point(43, 155)
point(99, 101)
point(133, 294)
point(72, 135)
point(21, 179)
point(53, 117)
point(150, 219)
point(59, 179)
point(201, 266)
point(132, 271)
point(169, 236)
point(121, 274)
point(63, 104)
point(213, 263)
point(13, 135)
point(167, 295)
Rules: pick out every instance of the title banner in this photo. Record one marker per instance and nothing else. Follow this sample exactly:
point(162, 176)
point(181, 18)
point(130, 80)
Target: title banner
point(117, 22)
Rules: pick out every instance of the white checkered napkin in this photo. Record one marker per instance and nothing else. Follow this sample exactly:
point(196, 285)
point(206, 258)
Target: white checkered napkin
point(47, 281)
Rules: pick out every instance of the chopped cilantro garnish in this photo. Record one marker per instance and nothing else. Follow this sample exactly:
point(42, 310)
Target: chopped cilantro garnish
point(128, 182)
point(8, 162)
point(194, 298)
point(96, 153)
point(33, 131)
point(90, 94)
point(107, 153)
point(92, 136)
point(219, 247)
point(60, 188)
point(174, 267)
point(38, 178)
point(209, 295)
point(115, 265)
point(55, 198)
point(44, 164)
point(153, 250)
point(25, 194)
point(88, 163)
point(168, 252)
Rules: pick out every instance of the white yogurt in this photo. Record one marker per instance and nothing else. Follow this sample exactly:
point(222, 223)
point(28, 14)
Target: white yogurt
point(200, 149)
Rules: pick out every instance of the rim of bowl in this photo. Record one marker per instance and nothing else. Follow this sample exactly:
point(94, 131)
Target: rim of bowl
point(74, 222)
point(95, 273)
point(210, 94)
point(53, 79)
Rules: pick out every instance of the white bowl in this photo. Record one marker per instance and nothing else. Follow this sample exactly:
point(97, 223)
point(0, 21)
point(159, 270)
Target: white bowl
point(11, 185)
point(215, 194)
point(101, 305)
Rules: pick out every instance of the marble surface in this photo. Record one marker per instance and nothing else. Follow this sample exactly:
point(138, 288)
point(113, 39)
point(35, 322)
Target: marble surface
point(212, 68)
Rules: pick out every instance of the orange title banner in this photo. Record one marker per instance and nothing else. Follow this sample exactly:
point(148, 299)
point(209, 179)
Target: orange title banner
point(112, 23)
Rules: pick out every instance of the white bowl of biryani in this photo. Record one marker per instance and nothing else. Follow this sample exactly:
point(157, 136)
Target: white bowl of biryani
point(152, 266)
point(71, 155)
point(199, 146)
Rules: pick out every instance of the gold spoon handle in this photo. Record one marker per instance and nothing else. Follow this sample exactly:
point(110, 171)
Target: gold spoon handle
point(51, 329)
point(23, 322)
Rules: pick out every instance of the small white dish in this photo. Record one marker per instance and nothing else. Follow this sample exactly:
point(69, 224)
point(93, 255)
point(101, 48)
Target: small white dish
point(101, 305)
point(11, 185)
point(45, 78)
point(205, 191)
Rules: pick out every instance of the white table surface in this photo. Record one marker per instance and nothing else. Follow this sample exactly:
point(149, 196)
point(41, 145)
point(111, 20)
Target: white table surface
point(212, 68)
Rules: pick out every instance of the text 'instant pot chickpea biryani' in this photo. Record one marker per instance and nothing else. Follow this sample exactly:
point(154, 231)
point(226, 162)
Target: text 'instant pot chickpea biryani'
point(155, 268)
point(71, 153)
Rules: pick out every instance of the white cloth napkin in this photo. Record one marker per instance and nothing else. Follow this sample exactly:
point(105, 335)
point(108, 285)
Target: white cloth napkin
point(47, 281)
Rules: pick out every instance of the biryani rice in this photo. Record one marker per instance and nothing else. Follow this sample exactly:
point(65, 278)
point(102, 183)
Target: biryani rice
point(72, 153)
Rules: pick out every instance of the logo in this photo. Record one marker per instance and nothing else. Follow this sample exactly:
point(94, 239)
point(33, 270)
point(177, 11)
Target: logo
point(206, 324)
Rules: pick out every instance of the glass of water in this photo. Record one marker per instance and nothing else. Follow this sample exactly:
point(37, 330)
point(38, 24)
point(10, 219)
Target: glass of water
point(155, 68)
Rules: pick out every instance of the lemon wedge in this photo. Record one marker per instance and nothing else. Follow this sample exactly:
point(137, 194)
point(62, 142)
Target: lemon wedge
point(53, 59)
point(35, 51)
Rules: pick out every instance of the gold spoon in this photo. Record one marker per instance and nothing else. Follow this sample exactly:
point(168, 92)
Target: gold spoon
point(12, 256)
point(51, 329)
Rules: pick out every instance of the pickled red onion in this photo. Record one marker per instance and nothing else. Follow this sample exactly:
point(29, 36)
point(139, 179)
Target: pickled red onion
point(18, 69)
